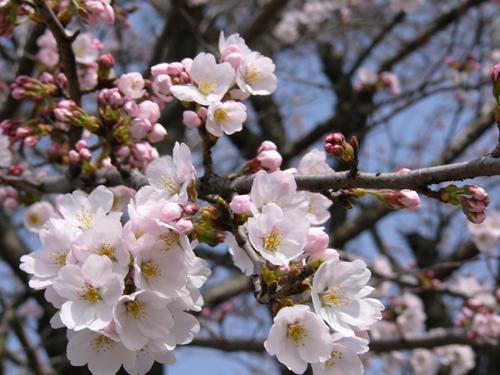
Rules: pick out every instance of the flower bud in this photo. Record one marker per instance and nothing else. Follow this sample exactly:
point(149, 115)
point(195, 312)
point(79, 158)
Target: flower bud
point(317, 240)
point(191, 119)
point(171, 212)
point(241, 204)
point(157, 133)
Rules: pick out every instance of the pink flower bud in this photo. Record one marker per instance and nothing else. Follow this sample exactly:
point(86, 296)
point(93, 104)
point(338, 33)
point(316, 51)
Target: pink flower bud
point(175, 68)
point(266, 146)
point(85, 154)
point(107, 61)
point(495, 72)
point(234, 59)
point(191, 208)
point(159, 69)
point(123, 152)
point(317, 240)
point(74, 157)
point(11, 203)
point(140, 128)
point(326, 254)
point(202, 113)
point(335, 138)
point(81, 144)
point(402, 170)
point(184, 225)
point(241, 204)
point(270, 160)
point(171, 212)
point(157, 133)
point(191, 119)
point(31, 140)
point(22, 132)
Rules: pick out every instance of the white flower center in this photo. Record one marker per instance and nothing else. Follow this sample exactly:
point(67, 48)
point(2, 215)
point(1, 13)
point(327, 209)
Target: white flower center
point(335, 296)
point(150, 270)
point(272, 240)
point(101, 344)
point(296, 332)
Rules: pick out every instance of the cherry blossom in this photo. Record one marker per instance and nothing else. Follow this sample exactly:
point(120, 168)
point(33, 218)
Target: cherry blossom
point(212, 81)
point(91, 293)
point(37, 215)
point(279, 238)
point(340, 295)
point(298, 337)
point(227, 117)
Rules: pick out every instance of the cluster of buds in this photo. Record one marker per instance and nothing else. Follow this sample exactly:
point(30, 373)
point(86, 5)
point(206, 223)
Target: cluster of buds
point(9, 11)
point(25, 87)
point(9, 197)
point(19, 132)
point(92, 11)
point(336, 144)
point(68, 112)
point(80, 153)
point(194, 119)
point(472, 198)
point(482, 319)
point(145, 121)
point(268, 159)
point(165, 75)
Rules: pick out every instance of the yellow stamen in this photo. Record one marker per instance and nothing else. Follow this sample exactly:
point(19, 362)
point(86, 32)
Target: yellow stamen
point(296, 332)
point(334, 357)
point(168, 183)
point(136, 310)
point(107, 250)
point(150, 270)
point(335, 296)
point(220, 115)
point(86, 220)
point(35, 219)
point(206, 87)
point(272, 240)
point(252, 76)
point(169, 239)
point(101, 344)
point(59, 257)
point(91, 294)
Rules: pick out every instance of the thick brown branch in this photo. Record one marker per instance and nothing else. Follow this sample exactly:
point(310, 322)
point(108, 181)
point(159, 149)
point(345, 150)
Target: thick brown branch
point(484, 166)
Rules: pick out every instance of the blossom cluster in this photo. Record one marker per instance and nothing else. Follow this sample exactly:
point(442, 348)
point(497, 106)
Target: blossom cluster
point(323, 325)
point(124, 292)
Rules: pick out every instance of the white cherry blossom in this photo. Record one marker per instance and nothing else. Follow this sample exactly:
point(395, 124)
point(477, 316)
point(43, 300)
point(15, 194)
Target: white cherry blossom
point(226, 117)
point(91, 291)
point(142, 316)
point(339, 296)
point(80, 209)
point(279, 238)
point(212, 81)
point(103, 355)
point(37, 214)
point(256, 75)
point(298, 337)
point(45, 264)
point(344, 357)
